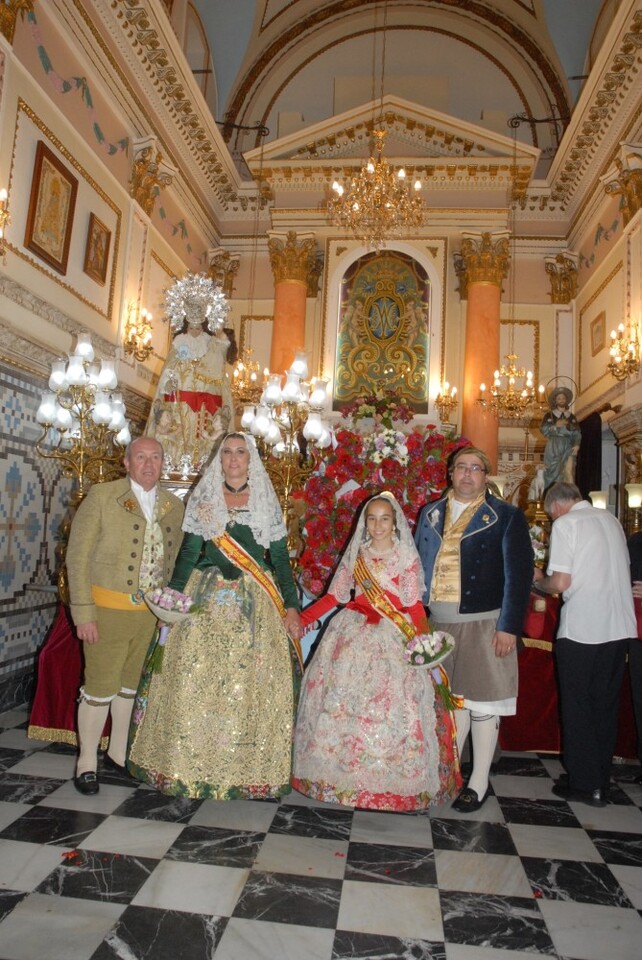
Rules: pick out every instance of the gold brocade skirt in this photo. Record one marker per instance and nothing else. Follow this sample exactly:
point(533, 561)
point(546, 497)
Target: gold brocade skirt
point(217, 720)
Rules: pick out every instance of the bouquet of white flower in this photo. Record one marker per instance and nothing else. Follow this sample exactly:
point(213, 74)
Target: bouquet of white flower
point(169, 605)
point(428, 649)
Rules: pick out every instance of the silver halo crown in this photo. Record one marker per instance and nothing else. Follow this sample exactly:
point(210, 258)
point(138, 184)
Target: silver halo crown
point(196, 298)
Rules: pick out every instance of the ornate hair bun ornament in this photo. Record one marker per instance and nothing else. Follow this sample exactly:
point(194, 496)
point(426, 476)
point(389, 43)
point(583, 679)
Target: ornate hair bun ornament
point(196, 298)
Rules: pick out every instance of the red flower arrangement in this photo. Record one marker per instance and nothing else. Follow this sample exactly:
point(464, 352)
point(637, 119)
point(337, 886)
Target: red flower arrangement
point(347, 475)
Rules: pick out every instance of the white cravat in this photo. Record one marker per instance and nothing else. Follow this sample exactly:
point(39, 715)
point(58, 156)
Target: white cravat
point(146, 499)
point(456, 509)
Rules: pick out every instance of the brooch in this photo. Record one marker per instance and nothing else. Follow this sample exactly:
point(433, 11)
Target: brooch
point(486, 518)
point(130, 504)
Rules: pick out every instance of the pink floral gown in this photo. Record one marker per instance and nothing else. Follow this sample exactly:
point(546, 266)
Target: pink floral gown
point(371, 730)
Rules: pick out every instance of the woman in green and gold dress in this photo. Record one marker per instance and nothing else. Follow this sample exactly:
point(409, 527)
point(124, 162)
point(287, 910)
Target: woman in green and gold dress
point(214, 714)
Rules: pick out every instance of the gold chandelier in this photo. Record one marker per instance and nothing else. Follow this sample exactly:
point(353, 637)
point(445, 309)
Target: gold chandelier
point(624, 352)
point(512, 395)
point(247, 382)
point(380, 202)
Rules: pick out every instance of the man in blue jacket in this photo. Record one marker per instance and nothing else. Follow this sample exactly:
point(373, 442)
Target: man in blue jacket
point(478, 561)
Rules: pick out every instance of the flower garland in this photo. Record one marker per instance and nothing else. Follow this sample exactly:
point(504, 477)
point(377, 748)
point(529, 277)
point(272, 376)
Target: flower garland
point(411, 466)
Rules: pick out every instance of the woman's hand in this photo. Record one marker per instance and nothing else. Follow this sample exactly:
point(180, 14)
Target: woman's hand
point(292, 623)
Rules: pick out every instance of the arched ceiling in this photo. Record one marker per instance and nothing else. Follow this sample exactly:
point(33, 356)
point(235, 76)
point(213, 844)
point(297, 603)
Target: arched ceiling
point(289, 64)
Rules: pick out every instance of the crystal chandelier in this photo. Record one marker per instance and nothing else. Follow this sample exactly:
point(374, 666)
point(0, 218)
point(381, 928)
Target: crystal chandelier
point(379, 203)
point(247, 383)
point(287, 423)
point(83, 418)
point(512, 395)
point(624, 352)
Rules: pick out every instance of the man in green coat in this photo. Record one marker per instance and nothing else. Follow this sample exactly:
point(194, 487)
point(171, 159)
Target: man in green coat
point(123, 542)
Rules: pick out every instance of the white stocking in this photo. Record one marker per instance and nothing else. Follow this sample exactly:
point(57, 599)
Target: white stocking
point(462, 726)
point(91, 721)
point(485, 730)
point(121, 714)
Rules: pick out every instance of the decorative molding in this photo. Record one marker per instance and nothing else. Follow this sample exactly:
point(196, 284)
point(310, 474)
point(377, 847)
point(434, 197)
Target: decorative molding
point(562, 270)
point(482, 258)
point(292, 256)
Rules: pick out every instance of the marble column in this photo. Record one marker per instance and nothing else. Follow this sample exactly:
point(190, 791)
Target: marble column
point(482, 264)
point(292, 258)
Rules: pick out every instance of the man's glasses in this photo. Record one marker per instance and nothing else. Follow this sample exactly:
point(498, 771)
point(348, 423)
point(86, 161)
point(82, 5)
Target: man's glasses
point(465, 468)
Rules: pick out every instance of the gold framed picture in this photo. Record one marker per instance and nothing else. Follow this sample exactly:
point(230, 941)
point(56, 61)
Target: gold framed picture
point(97, 249)
point(598, 333)
point(51, 209)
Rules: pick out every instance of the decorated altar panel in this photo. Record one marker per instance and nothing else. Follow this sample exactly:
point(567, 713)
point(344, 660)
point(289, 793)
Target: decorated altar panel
point(382, 337)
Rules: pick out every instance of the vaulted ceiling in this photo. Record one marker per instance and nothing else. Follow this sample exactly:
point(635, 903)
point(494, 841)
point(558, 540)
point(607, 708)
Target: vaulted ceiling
point(289, 64)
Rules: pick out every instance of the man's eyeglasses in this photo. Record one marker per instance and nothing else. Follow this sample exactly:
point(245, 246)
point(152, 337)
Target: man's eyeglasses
point(466, 468)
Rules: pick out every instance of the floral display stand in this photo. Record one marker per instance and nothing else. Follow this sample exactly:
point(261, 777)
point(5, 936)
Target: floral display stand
point(379, 448)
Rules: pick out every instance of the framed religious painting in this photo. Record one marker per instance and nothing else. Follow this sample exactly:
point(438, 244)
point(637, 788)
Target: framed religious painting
point(51, 209)
point(598, 333)
point(97, 249)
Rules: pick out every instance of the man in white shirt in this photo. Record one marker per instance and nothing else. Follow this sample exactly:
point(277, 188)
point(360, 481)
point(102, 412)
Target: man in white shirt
point(589, 566)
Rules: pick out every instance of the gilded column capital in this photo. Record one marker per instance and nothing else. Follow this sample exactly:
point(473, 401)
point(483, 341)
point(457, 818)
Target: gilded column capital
point(291, 256)
point(482, 258)
point(625, 178)
point(223, 267)
point(9, 10)
point(150, 173)
point(562, 270)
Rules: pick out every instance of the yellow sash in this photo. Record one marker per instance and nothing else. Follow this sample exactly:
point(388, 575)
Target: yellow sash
point(115, 600)
point(241, 558)
point(377, 597)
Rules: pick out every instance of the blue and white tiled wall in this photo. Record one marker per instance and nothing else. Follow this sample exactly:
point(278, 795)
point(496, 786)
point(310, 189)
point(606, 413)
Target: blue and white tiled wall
point(33, 502)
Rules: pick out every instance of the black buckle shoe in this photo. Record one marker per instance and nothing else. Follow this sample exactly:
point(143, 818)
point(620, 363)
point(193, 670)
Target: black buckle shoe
point(468, 801)
point(116, 767)
point(87, 783)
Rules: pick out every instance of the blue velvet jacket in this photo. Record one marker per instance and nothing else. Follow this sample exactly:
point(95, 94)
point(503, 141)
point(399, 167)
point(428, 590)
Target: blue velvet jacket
point(496, 569)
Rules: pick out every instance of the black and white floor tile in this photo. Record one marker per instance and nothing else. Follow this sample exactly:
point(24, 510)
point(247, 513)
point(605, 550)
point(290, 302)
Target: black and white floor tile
point(132, 875)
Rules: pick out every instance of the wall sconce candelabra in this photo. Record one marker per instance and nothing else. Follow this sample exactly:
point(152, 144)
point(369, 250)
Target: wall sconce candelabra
point(512, 395)
point(247, 383)
point(287, 419)
point(5, 220)
point(138, 333)
point(446, 401)
point(634, 495)
point(83, 418)
point(624, 352)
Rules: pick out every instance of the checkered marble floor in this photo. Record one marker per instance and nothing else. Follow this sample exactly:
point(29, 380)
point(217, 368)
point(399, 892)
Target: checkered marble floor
point(133, 875)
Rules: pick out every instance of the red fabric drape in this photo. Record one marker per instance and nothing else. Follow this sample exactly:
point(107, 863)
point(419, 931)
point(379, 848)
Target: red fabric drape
point(53, 713)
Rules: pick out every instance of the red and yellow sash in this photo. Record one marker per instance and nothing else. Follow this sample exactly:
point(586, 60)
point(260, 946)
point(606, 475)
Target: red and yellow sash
point(377, 597)
point(242, 559)
point(380, 602)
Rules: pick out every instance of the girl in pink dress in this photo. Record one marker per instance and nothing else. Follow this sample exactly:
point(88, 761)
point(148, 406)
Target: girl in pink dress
point(372, 730)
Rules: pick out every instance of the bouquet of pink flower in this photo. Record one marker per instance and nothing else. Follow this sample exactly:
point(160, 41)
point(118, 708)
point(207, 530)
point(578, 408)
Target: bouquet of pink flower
point(428, 649)
point(169, 605)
